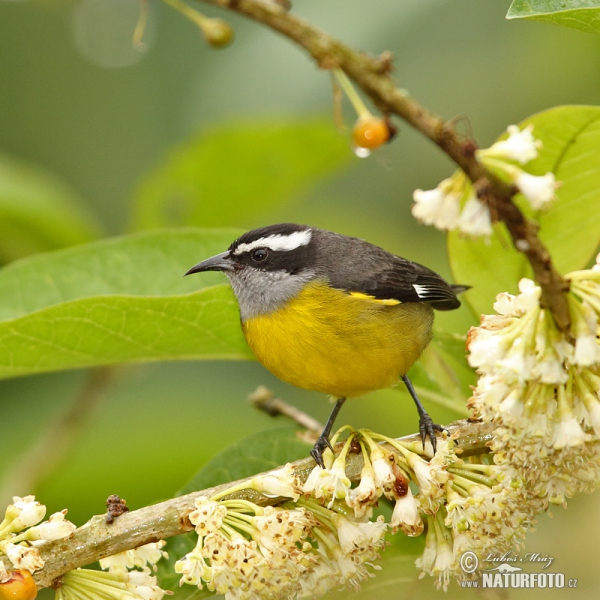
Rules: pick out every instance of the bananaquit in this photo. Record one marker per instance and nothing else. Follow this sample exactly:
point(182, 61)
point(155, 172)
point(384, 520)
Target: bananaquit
point(332, 313)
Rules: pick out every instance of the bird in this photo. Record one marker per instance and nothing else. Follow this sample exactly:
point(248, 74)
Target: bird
point(332, 313)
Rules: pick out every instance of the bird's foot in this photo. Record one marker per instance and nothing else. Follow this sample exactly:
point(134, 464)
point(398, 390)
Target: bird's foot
point(320, 446)
point(427, 428)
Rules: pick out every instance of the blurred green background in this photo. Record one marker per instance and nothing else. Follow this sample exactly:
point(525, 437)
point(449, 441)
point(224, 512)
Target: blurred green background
point(77, 101)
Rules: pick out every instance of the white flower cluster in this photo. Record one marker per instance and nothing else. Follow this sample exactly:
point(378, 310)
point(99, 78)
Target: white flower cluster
point(21, 531)
point(463, 504)
point(453, 204)
point(122, 581)
point(542, 388)
point(310, 543)
point(294, 550)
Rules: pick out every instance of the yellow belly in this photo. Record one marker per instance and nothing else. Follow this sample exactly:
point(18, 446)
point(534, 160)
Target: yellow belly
point(332, 342)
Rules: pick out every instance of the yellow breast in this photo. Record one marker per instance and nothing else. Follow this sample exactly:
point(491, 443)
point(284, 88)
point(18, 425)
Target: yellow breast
point(338, 343)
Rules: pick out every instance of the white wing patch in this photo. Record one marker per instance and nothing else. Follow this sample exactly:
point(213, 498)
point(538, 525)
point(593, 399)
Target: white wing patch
point(423, 291)
point(278, 242)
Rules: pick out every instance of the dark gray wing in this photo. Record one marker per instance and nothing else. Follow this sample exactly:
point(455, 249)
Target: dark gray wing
point(367, 269)
point(410, 282)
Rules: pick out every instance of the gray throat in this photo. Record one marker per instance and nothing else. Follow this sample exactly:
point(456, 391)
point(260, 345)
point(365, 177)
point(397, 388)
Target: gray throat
point(262, 292)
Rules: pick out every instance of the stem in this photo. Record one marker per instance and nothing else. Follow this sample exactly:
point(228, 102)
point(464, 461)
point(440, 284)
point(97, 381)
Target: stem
point(372, 75)
point(357, 102)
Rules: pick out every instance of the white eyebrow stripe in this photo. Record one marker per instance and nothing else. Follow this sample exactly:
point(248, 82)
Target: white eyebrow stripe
point(278, 242)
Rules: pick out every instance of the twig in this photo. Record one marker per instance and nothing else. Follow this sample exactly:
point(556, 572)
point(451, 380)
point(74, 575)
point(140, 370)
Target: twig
point(372, 75)
point(264, 399)
point(97, 539)
point(30, 470)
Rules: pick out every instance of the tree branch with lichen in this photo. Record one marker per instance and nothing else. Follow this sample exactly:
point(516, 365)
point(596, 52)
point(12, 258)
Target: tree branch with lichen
point(373, 75)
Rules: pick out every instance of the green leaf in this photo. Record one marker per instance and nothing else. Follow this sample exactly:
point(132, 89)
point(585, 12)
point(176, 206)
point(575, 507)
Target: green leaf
point(577, 14)
point(120, 300)
point(570, 228)
point(38, 212)
point(238, 171)
point(254, 454)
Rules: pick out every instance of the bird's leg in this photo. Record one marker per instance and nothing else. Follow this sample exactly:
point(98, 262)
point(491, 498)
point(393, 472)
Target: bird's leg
point(323, 442)
point(427, 427)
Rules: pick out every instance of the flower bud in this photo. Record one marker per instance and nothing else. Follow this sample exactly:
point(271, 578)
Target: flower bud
point(217, 32)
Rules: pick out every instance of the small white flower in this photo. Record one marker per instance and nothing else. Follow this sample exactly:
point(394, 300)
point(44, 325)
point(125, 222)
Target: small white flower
point(426, 561)
point(55, 528)
point(439, 207)
point(538, 189)
point(425, 474)
point(208, 515)
point(550, 370)
point(24, 557)
point(569, 433)
point(281, 482)
point(365, 495)
point(428, 204)
point(149, 554)
point(22, 513)
point(406, 516)
point(512, 406)
point(520, 145)
point(358, 537)
point(506, 305)
point(530, 295)
point(595, 418)
point(485, 347)
point(383, 475)
point(122, 561)
point(444, 560)
point(475, 218)
point(192, 568)
point(587, 351)
point(331, 483)
point(144, 585)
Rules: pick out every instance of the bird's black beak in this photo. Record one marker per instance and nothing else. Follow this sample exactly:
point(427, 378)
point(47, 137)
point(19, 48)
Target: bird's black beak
point(220, 262)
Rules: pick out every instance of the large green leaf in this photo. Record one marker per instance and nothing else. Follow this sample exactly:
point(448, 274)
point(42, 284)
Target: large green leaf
point(38, 212)
point(238, 171)
point(570, 228)
point(119, 300)
point(578, 14)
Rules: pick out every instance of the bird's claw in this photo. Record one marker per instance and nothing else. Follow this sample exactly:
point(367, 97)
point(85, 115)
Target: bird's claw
point(427, 429)
point(320, 446)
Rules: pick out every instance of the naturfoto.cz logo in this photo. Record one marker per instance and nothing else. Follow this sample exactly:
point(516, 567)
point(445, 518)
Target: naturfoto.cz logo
point(507, 575)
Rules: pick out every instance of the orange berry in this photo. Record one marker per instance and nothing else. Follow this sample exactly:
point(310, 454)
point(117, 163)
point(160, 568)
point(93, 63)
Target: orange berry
point(19, 586)
point(371, 132)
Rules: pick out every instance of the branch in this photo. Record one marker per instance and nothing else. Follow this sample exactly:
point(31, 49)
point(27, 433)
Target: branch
point(97, 539)
point(372, 75)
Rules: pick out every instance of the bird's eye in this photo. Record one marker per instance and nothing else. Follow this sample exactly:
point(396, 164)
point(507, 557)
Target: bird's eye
point(259, 254)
